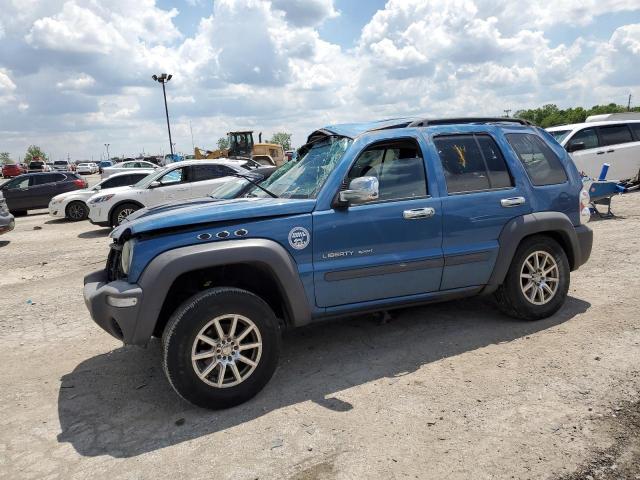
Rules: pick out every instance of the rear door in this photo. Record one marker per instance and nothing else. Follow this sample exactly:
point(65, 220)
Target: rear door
point(622, 151)
point(205, 178)
point(43, 189)
point(482, 195)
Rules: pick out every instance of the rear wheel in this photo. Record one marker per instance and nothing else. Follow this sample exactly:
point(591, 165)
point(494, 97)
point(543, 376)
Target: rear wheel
point(221, 347)
point(537, 282)
point(77, 211)
point(122, 212)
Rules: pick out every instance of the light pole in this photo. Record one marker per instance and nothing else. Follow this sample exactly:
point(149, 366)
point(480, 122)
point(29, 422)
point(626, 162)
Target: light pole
point(107, 145)
point(164, 78)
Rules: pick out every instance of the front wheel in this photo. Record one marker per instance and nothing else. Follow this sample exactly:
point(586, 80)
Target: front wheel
point(537, 282)
point(77, 211)
point(122, 212)
point(221, 347)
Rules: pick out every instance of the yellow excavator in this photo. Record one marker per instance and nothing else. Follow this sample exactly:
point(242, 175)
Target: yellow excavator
point(241, 146)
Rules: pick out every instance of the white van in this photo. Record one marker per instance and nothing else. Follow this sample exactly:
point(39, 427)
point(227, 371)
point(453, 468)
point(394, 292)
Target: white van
point(593, 143)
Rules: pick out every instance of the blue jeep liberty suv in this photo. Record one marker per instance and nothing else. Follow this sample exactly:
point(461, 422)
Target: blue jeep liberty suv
point(371, 217)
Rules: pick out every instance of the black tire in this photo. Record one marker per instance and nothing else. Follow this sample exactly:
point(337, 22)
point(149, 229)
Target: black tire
point(77, 211)
point(186, 324)
point(120, 209)
point(18, 213)
point(510, 297)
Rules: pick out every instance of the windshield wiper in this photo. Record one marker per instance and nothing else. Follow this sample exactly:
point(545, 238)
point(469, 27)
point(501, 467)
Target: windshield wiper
point(255, 184)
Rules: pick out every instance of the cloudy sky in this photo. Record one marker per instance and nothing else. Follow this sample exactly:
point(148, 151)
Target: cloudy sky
point(75, 74)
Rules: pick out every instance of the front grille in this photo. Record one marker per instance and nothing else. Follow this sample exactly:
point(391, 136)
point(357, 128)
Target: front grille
point(114, 269)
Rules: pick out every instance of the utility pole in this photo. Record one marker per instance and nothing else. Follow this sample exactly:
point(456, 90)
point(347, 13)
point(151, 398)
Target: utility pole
point(163, 79)
point(507, 111)
point(629, 104)
point(107, 145)
point(193, 147)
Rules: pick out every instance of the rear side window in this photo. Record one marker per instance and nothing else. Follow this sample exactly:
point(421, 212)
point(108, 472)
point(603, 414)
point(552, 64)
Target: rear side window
point(635, 128)
point(200, 173)
point(615, 134)
point(47, 178)
point(119, 181)
point(472, 163)
point(541, 164)
point(588, 136)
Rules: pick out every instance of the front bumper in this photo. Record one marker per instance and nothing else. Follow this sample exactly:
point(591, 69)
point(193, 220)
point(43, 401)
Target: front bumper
point(585, 240)
point(56, 209)
point(99, 215)
point(100, 298)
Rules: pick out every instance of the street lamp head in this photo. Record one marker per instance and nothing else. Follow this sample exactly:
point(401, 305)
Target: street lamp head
point(155, 77)
point(162, 78)
point(169, 77)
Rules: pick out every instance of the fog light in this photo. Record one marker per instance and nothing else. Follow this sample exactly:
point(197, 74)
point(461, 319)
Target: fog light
point(122, 301)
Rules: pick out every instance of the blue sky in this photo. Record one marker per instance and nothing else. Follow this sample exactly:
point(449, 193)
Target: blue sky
point(75, 74)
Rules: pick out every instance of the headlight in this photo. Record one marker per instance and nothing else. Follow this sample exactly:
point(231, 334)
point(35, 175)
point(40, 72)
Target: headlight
point(126, 257)
point(55, 200)
point(101, 199)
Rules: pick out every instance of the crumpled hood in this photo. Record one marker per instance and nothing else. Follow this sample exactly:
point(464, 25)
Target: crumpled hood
point(208, 210)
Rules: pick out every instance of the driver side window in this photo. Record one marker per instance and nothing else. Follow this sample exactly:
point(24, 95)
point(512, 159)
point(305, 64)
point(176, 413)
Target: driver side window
point(588, 136)
point(18, 183)
point(173, 177)
point(398, 166)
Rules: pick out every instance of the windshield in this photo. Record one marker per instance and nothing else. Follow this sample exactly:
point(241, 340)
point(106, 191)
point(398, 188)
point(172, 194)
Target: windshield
point(560, 135)
point(58, 162)
point(305, 178)
point(146, 181)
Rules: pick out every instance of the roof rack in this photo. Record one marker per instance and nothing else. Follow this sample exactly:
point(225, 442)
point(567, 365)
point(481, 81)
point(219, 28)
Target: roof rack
point(453, 121)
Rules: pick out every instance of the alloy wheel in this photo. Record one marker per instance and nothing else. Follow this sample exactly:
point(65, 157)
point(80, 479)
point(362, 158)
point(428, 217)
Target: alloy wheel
point(539, 277)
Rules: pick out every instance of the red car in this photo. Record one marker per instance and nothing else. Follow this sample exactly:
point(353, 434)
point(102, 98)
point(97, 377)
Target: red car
point(13, 170)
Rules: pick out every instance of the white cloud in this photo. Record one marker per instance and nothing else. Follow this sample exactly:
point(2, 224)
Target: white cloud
point(264, 65)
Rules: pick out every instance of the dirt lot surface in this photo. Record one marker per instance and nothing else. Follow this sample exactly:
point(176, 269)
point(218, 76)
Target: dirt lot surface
point(449, 391)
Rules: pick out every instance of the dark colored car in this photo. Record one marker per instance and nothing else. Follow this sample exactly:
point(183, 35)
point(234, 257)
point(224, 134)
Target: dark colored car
point(6, 219)
point(13, 170)
point(35, 190)
point(38, 166)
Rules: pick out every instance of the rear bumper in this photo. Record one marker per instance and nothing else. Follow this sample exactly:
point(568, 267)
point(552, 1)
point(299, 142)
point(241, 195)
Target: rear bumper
point(101, 299)
point(7, 224)
point(584, 236)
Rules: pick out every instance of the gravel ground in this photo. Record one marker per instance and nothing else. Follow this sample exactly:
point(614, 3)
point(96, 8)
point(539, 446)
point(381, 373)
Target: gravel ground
point(452, 390)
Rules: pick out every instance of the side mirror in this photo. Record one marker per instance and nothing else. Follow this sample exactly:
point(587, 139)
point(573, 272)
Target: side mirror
point(155, 184)
point(361, 189)
point(573, 147)
point(97, 188)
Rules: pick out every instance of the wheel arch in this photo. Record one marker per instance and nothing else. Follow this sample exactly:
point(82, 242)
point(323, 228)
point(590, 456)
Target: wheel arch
point(260, 266)
point(555, 225)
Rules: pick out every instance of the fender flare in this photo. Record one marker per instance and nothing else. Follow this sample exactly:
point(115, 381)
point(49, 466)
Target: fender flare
point(518, 228)
point(158, 277)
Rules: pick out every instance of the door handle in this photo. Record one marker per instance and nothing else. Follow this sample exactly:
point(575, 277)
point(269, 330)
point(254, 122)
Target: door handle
point(610, 151)
point(600, 153)
point(418, 213)
point(512, 202)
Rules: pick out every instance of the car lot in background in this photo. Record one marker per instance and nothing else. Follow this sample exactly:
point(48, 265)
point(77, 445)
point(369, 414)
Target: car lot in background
point(73, 205)
point(7, 221)
point(34, 190)
point(13, 170)
point(87, 168)
point(593, 143)
point(126, 166)
point(63, 166)
point(176, 182)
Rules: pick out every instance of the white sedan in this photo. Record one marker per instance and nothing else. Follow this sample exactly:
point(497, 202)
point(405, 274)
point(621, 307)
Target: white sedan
point(176, 182)
point(73, 205)
point(127, 167)
point(87, 168)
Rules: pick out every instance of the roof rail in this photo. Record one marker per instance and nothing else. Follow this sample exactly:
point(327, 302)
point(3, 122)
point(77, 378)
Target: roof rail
point(453, 121)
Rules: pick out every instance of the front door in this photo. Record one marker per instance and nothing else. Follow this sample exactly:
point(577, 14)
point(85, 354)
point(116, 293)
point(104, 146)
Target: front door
point(16, 193)
point(173, 186)
point(386, 248)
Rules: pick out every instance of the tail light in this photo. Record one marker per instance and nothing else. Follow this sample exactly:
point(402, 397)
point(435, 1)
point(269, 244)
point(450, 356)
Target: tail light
point(83, 184)
point(585, 200)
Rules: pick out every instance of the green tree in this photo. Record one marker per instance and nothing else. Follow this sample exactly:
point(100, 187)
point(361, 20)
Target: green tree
point(5, 159)
point(223, 143)
point(283, 139)
point(34, 151)
point(550, 115)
